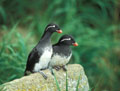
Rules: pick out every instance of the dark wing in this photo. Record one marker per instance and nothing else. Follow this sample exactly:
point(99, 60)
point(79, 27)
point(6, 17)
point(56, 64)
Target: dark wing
point(61, 50)
point(54, 49)
point(32, 59)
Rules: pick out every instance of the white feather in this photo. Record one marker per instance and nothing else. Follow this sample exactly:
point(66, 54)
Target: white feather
point(58, 60)
point(66, 39)
point(44, 60)
point(50, 27)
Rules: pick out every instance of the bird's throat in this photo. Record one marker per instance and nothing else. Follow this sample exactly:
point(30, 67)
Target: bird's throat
point(46, 36)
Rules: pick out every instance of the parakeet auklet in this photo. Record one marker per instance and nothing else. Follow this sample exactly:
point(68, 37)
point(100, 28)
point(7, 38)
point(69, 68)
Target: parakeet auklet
point(62, 52)
point(40, 55)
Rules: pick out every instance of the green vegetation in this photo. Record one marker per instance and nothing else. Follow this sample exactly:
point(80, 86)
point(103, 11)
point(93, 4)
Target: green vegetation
point(56, 81)
point(95, 24)
point(66, 82)
point(78, 83)
point(57, 84)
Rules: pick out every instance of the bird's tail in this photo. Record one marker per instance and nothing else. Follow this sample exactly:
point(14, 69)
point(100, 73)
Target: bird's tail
point(27, 72)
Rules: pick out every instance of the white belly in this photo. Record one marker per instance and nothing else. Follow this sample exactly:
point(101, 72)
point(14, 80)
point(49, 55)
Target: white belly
point(58, 60)
point(43, 60)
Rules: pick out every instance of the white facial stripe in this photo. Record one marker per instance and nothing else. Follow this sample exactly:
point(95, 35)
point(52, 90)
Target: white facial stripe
point(65, 39)
point(50, 27)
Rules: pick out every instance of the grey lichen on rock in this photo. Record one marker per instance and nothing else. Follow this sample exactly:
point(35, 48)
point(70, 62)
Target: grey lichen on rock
point(35, 82)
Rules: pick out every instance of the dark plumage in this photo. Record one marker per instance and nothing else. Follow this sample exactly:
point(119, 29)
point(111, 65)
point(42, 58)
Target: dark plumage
point(40, 55)
point(62, 52)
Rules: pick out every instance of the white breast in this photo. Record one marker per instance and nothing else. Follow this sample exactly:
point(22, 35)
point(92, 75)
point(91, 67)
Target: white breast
point(44, 60)
point(58, 60)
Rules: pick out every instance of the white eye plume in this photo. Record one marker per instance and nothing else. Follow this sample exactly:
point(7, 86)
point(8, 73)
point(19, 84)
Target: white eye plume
point(65, 39)
point(50, 27)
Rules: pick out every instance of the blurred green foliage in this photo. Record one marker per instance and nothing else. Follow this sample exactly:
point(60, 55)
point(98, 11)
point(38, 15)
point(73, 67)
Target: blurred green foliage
point(95, 25)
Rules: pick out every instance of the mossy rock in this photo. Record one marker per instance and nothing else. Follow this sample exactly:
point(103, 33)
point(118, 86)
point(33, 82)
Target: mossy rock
point(35, 82)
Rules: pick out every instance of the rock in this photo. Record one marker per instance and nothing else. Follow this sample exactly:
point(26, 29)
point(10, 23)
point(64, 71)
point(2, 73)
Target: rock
point(35, 82)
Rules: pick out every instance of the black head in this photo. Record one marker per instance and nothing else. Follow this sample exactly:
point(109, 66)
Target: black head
point(67, 40)
point(53, 28)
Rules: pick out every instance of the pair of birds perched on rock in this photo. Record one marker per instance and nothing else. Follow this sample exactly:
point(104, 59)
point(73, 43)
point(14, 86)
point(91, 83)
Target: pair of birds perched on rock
point(45, 55)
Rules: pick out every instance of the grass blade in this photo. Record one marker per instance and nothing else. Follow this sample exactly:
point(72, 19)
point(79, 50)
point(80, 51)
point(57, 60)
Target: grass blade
point(78, 83)
point(66, 82)
point(57, 84)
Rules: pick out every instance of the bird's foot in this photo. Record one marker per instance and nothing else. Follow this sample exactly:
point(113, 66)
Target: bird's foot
point(57, 68)
point(43, 74)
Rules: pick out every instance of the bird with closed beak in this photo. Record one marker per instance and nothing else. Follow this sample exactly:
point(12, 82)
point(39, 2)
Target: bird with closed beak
point(40, 55)
point(62, 53)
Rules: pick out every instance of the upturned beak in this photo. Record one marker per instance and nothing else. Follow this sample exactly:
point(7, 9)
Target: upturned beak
point(59, 31)
point(75, 44)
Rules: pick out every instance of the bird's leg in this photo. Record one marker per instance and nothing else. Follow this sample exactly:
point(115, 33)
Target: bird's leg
point(64, 67)
point(57, 68)
point(43, 74)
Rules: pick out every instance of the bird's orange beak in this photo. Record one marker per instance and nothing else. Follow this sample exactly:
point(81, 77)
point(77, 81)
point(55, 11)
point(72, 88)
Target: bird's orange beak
point(59, 31)
point(75, 44)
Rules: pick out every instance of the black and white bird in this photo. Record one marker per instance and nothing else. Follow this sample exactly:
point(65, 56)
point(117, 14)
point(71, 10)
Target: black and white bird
point(40, 55)
point(62, 52)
